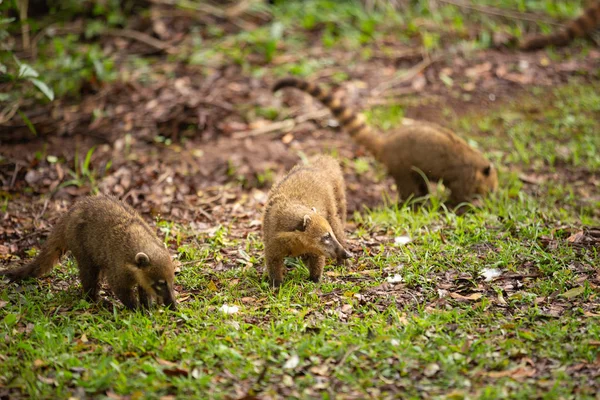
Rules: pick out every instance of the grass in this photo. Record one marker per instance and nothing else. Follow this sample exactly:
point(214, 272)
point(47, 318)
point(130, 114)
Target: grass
point(443, 327)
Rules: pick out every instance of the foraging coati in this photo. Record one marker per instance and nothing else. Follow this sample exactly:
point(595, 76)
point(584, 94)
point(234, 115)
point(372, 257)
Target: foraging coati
point(305, 215)
point(581, 26)
point(108, 238)
point(427, 147)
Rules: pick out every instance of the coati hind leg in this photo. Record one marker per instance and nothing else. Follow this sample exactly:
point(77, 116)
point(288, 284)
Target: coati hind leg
point(315, 267)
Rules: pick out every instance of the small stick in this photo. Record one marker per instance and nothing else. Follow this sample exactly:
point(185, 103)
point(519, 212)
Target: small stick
point(414, 71)
point(139, 36)
point(285, 125)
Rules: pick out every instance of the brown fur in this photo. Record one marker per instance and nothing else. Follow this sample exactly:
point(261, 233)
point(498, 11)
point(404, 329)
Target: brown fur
point(108, 238)
point(426, 147)
point(581, 26)
point(305, 216)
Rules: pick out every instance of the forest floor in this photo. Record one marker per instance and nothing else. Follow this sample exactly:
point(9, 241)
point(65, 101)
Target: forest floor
point(500, 301)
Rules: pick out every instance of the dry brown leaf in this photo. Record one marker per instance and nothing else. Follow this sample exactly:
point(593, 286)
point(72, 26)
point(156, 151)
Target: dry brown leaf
point(471, 297)
point(517, 373)
point(165, 363)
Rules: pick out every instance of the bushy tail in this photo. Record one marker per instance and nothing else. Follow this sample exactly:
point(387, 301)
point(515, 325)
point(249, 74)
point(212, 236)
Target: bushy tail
point(351, 121)
point(579, 27)
point(51, 251)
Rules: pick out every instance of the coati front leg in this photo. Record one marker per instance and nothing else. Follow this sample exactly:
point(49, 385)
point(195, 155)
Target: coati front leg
point(338, 231)
point(144, 298)
point(89, 275)
point(315, 267)
point(410, 184)
point(122, 287)
point(275, 267)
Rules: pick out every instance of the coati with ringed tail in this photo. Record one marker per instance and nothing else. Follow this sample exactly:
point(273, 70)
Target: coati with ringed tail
point(581, 26)
point(108, 238)
point(305, 215)
point(432, 149)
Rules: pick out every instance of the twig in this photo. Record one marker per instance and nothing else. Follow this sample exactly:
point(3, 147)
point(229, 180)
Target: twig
point(279, 126)
point(14, 177)
point(516, 276)
point(501, 13)
point(139, 36)
point(207, 215)
point(414, 71)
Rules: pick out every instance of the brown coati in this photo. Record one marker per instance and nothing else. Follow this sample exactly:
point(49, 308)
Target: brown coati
point(305, 215)
point(108, 238)
point(435, 151)
point(581, 26)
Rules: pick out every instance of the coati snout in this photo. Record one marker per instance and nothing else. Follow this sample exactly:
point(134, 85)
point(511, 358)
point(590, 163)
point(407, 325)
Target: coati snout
point(157, 278)
point(321, 238)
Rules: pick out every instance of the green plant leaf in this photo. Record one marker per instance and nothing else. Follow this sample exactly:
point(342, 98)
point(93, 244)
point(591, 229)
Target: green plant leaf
point(48, 92)
point(26, 71)
point(27, 122)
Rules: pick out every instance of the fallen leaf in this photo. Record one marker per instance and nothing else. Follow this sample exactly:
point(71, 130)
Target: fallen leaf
point(576, 291)
point(431, 370)
point(517, 373)
point(576, 237)
point(165, 363)
point(292, 362)
point(490, 273)
point(394, 279)
point(229, 309)
point(472, 296)
point(402, 240)
point(47, 381)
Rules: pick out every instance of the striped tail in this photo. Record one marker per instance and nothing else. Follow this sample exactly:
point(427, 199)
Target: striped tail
point(54, 247)
point(351, 121)
point(585, 24)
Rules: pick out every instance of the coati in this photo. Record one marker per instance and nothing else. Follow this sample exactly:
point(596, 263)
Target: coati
point(435, 151)
point(305, 216)
point(581, 26)
point(108, 238)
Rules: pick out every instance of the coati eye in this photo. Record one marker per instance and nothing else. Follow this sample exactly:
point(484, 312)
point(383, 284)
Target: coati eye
point(327, 237)
point(159, 285)
point(487, 170)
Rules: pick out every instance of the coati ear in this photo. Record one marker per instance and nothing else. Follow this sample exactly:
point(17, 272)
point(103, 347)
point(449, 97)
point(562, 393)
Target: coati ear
point(303, 224)
point(487, 170)
point(142, 259)
point(306, 221)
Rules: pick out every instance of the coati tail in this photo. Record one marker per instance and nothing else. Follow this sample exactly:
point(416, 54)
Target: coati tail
point(579, 27)
point(51, 251)
point(352, 121)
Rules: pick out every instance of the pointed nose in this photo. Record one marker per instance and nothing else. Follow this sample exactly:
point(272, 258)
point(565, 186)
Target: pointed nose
point(347, 254)
point(170, 302)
